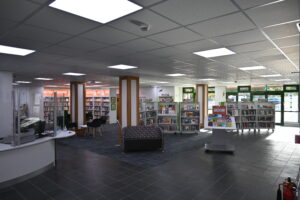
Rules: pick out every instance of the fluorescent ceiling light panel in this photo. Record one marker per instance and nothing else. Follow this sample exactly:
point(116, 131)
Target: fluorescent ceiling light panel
point(123, 67)
point(51, 86)
point(270, 75)
point(73, 74)
point(161, 82)
point(44, 79)
point(15, 84)
point(95, 86)
point(23, 82)
point(176, 74)
point(15, 50)
point(102, 11)
point(252, 68)
point(214, 53)
point(228, 82)
point(287, 79)
point(206, 79)
point(98, 82)
point(67, 84)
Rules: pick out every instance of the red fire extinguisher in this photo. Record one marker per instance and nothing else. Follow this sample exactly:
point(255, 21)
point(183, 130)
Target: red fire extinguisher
point(289, 189)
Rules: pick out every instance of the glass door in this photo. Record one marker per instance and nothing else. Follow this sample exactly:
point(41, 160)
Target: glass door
point(277, 98)
point(291, 105)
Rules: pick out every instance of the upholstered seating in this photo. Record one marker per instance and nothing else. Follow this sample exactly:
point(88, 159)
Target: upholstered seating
point(142, 138)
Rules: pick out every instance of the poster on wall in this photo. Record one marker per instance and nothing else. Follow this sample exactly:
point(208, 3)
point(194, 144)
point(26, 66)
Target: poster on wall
point(113, 103)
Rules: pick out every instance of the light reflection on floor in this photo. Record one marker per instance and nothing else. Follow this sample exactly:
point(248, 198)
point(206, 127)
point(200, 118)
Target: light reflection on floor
point(284, 134)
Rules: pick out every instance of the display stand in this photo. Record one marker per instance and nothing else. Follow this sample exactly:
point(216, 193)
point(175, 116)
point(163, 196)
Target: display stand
point(148, 113)
point(220, 140)
point(189, 117)
point(167, 117)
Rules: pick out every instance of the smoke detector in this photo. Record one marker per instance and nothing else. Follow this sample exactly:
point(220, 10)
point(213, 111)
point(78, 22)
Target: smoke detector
point(143, 26)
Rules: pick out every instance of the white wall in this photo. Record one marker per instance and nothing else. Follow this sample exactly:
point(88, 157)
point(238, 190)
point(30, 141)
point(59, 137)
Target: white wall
point(6, 105)
point(149, 93)
point(220, 94)
point(166, 90)
point(33, 97)
point(178, 94)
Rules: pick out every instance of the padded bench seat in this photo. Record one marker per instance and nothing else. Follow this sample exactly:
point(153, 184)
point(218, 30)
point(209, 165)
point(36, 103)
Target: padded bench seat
point(142, 138)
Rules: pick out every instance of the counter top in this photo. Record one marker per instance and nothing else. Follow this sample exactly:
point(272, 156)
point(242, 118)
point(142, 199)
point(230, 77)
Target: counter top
point(59, 135)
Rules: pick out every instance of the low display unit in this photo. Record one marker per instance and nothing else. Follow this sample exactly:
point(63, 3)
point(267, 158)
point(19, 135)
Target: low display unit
point(189, 117)
point(167, 117)
point(148, 113)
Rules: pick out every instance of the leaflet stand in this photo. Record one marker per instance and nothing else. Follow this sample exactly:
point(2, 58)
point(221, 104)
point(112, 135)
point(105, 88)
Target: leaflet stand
point(220, 140)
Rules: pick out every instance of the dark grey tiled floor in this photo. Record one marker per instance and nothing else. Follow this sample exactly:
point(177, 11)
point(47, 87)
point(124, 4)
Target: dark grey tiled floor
point(261, 161)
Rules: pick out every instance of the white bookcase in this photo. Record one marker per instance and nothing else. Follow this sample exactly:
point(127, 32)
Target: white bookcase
point(148, 113)
point(99, 106)
point(253, 115)
point(167, 117)
point(189, 117)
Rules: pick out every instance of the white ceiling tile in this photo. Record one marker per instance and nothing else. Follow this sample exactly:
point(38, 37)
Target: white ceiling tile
point(146, 2)
point(257, 54)
point(141, 44)
point(156, 22)
point(270, 58)
point(43, 57)
point(187, 12)
point(23, 43)
point(38, 34)
point(240, 38)
point(223, 25)
point(6, 25)
point(108, 35)
point(293, 56)
point(112, 51)
point(16, 10)
point(284, 11)
point(176, 36)
point(200, 45)
point(60, 50)
point(282, 30)
point(82, 44)
point(248, 4)
point(256, 46)
point(288, 41)
point(60, 21)
point(165, 52)
point(292, 49)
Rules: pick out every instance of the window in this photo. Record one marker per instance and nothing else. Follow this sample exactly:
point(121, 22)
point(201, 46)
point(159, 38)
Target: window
point(275, 88)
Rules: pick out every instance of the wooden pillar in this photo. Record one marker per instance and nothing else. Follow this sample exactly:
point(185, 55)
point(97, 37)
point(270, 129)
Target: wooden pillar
point(77, 103)
point(129, 102)
point(202, 98)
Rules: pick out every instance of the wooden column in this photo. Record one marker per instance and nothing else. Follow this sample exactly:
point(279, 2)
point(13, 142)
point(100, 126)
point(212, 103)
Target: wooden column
point(129, 102)
point(202, 98)
point(77, 103)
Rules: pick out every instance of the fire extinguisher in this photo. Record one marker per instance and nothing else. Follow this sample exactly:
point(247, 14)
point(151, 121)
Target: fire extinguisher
point(288, 190)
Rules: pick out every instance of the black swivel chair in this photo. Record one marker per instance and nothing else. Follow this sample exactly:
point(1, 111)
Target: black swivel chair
point(96, 124)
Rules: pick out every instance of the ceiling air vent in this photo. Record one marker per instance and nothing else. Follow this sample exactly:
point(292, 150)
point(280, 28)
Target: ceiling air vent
point(143, 26)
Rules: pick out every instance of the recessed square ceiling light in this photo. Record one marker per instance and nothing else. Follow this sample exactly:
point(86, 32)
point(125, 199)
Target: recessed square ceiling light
point(98, 82)
point(206, 79)
point(214, 53)
point(15, 51)
point(51, 86)
point(23, 82)
point(44, 79)
point(123, 67)
point(94, 85)
point(287, 79)
point(176, 74)
point(252, 68)
point(67, 84)
point(102, 11)
point(73, 74)
point(161, 82)
point(270, 75)
point(15, 84)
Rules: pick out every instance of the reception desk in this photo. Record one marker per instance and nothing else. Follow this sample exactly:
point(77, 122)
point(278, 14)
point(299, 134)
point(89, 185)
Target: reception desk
point(20, 162)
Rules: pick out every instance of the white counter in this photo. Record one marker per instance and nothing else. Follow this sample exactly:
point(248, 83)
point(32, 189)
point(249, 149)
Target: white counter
point(25, 159)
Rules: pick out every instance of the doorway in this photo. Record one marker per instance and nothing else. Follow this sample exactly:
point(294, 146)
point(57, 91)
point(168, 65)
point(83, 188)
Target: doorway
point(278, 99)
point(291, 106)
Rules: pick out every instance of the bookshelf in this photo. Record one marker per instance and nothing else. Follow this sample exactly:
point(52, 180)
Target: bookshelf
point(148, 113)
point(49, 106)
point(165, 99)
point(253, 115)
point(99, 106)
point(189, 117)
point(167, 117)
